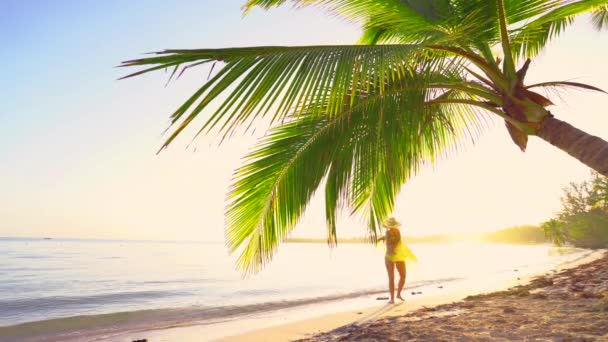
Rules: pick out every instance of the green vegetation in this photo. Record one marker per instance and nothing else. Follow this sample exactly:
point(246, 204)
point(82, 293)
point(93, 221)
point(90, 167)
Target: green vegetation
point(362, 119)
point(583, 220)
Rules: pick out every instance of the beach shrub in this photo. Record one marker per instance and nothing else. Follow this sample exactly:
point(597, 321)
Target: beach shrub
point(583, 220)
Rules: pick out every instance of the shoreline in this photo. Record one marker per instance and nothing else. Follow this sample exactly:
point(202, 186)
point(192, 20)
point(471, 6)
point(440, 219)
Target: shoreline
point(302, 322)
point(282, 322)
point(328, 327)
point(568, 305)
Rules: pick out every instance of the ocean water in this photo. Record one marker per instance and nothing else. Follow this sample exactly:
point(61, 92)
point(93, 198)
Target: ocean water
point(46, 279)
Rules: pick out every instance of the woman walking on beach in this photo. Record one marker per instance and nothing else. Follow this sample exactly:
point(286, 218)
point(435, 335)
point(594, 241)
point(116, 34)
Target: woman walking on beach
point(395, 256)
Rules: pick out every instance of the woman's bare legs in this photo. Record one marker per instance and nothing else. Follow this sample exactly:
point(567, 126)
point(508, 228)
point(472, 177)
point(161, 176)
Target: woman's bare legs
point(390, 269)
point(401, 269)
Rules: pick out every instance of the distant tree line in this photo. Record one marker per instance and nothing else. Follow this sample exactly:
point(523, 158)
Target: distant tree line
point(583, 219)
point(527, 234)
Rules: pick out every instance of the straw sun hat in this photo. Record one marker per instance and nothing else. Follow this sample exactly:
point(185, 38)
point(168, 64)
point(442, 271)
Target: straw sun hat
point(391, 222)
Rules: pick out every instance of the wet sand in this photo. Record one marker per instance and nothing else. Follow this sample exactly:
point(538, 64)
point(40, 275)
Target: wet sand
point(568, 305)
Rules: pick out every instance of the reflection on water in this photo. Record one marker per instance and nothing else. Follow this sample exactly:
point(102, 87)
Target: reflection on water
point(41, 279)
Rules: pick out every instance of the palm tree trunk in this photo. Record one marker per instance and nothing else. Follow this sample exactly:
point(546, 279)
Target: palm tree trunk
point(587, 148)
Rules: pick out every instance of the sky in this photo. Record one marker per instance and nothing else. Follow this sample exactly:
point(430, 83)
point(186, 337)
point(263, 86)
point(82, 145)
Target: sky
point(78, 147)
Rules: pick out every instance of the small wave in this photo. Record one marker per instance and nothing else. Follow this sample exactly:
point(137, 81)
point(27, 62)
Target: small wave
point(16, 309)
point(191, 313)
point(132, 321)
point(162, 318)
point(255, 292)
point(184, 281)
point(20, 307)
point(30, 269)
point(33, 257)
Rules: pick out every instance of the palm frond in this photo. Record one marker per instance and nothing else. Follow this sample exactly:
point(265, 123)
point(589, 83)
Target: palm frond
point(403, 21)
point(410, 21)
point(360, 11)
point(529, 39)
point(278, 79)
point(532, 22)
point(271, 191)
point(407, 131)
point(599, 17)
point(557, 84)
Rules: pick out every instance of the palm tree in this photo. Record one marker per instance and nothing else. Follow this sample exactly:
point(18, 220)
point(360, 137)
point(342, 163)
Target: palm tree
point(555, 230)
point(362, 119)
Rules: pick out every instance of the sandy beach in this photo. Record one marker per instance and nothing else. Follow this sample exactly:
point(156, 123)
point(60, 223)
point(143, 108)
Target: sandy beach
point(567, 303)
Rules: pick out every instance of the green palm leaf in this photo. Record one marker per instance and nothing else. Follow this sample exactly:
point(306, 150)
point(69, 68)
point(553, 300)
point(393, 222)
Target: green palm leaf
point(532, 37)
point(279, 79)
point(532, 23)
point(270, 192)
point(599, 17)
point(559, 84)
point(407, 21)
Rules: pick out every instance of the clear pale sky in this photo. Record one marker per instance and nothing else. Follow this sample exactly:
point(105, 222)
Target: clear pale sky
point(77, 147)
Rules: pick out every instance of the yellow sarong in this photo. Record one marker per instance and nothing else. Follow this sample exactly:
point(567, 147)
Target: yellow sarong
point(402, 253)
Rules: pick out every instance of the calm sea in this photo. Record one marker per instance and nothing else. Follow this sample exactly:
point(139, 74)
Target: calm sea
point(43, 279)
